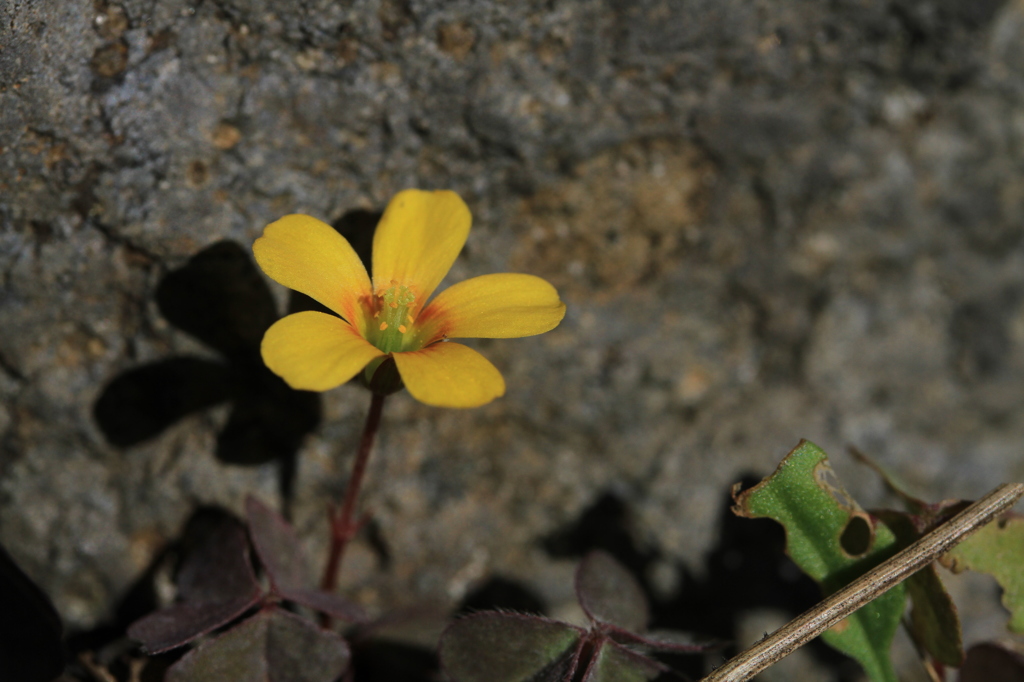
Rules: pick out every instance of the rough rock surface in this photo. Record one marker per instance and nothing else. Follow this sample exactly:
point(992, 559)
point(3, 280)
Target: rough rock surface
point(769, 220)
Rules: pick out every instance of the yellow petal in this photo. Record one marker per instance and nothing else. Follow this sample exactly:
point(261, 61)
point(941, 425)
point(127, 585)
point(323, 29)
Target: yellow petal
point(450, 375)
point(310, 256)
point(418, 238)
point(499, 306)
point(315, 351)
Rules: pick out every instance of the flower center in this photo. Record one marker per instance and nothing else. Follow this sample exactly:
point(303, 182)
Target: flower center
point(392, 320)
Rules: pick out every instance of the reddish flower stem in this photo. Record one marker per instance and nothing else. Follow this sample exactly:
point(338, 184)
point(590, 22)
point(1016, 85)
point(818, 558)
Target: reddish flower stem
point(343, 526)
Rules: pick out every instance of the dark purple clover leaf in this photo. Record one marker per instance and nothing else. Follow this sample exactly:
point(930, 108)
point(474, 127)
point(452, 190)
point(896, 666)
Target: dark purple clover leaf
point(178, 625)
point(615, 663)
point(509, 647)
point(925, 514)
point(273, 646)
point(990, 662)
point(609, 594)
point(216, 585)
point(666, 641)
point(613, 599)
point(934, 622)
point(278, 547)
point(333, 605)
point(219, 567)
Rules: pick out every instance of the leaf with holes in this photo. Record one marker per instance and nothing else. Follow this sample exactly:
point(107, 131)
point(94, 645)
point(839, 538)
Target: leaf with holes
point(997, 549)
point(833, 541)
point(273, 645)
point(509, 647)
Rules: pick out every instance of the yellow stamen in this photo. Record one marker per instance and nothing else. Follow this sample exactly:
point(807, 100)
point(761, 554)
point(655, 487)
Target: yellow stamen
point(392, 308)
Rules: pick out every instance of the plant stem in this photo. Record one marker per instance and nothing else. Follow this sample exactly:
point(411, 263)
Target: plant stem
point(343, 527)
point(878, 580)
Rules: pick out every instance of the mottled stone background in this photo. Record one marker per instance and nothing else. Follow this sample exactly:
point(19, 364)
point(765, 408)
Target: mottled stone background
point(770, 219)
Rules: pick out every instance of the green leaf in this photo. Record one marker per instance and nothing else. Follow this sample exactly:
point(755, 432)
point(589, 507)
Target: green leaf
point(997, 549)
point(833, 541)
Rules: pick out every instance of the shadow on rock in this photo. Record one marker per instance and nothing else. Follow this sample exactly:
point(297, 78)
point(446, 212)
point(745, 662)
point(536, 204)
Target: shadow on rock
point(30, 629)
point(221, 299)
point(502, 594)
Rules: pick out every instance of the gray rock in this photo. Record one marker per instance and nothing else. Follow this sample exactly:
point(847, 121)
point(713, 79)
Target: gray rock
point(769, 221)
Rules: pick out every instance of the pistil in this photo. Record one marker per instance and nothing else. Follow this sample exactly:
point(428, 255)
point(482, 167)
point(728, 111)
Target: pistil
point(392, 319)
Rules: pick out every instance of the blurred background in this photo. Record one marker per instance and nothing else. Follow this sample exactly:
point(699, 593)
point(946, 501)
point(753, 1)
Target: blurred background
point(770, 220)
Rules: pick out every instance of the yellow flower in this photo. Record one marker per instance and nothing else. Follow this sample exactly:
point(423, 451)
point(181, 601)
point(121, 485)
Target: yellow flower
point(418, 238)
